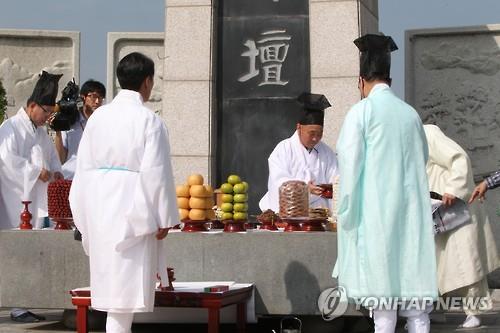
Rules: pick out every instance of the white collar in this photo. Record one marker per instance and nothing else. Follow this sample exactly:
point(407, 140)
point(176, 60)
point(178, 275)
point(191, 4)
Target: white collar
point(379, 86)
point(296, 139)
point(130, 94)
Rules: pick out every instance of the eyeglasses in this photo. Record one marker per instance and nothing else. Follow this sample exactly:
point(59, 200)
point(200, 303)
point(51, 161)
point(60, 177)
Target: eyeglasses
point(44, 109)
point(95, 97)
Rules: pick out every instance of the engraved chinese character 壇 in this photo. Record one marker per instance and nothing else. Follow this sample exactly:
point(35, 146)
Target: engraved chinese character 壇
point(271, 50)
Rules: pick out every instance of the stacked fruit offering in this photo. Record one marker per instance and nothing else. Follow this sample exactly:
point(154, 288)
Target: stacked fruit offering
point(234, 198)
point(58, 203)
point(195, 200)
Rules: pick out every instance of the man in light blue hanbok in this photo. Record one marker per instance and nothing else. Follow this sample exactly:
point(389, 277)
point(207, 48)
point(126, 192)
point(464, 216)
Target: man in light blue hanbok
point(385, 237)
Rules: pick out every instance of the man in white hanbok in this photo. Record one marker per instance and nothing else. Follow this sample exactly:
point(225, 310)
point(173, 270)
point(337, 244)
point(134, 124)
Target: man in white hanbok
point(467, 254)
point(29, 159)
point(303, 156)
point(123, 197)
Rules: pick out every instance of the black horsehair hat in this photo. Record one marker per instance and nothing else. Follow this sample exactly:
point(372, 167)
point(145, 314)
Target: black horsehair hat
point(45, 91)
point(314, 106)
point(375, 58)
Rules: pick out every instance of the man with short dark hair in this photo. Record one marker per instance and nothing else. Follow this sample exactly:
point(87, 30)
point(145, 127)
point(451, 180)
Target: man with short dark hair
point(123, 197)
point(385, 237)
point(92, 94)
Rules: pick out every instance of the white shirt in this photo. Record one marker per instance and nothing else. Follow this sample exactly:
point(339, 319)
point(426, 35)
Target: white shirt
point(290, 160)
point(71, 140)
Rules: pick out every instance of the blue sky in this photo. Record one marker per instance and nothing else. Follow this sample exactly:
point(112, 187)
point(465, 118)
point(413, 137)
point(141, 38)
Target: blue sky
point(95, 18)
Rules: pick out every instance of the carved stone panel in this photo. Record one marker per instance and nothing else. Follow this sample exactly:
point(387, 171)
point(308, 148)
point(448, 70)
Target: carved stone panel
point(149, 43)
point(453, 80)
point(25, 53)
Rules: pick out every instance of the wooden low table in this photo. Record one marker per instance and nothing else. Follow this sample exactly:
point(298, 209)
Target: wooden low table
point(213, 301)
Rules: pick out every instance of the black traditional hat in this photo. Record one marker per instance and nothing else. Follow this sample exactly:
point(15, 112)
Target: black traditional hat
point(314, 106)
point(45, 91)
point(375, 58)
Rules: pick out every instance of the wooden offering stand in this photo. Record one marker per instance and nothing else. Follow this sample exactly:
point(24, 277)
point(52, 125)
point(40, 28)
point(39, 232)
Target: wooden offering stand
point(171, 278)
point(194, 226)
point(26, 217)
point(268, 224)
point(293, 224)
point(62, 223)
point(234, 225)
point(304, 224)
point(313, 224)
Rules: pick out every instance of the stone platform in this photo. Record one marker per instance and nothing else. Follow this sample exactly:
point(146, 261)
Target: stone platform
point(289, 270)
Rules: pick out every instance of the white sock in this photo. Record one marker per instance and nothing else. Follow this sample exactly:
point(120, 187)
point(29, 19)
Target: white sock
point(119, 322)
point(385, 321)
point(471, 321)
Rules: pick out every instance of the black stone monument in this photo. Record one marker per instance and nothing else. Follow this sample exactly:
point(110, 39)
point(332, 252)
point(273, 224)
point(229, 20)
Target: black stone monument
point(263, 65)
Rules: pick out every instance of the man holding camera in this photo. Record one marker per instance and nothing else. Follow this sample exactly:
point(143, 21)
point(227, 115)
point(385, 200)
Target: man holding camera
point(92, 95)
point(28, 158)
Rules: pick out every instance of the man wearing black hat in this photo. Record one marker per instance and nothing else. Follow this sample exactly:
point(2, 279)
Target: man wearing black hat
point(29, 159)
point(303, 157)
point(385, 237)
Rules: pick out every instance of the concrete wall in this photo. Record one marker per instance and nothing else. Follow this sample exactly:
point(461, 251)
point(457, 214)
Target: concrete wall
point(189, 76)
point(453, 80)
point(37, 268)
point(25, 53)
point(188, 84)
point(149, 43)
point(334, 57)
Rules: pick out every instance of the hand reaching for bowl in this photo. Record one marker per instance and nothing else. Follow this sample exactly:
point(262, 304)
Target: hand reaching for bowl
point(314, 189)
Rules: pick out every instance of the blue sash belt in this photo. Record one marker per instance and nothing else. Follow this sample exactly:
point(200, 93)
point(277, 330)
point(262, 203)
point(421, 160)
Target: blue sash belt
point(117, 168)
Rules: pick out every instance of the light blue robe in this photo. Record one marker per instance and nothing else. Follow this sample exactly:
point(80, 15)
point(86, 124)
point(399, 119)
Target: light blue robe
point(385, 238)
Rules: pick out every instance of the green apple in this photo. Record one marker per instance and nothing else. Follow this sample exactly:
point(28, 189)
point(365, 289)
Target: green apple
point(246, 186)
point(227, 207)
point(227, 216)
point(227, 197)
point(239, 188)
point(240, 207)
point(233, 179)
point(226, 188)
point(240, 216)
point(240, 198)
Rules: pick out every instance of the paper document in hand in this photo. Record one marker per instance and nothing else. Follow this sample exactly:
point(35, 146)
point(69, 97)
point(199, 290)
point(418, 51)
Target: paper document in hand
point(449, 218)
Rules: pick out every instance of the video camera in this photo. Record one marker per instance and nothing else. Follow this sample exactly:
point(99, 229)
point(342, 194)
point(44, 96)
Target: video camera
point(67, 108)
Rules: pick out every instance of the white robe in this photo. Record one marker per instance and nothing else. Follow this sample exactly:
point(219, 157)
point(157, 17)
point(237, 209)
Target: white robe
point(464, 255)
point(24, 151)
point(122, 192)
point(290, 160)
